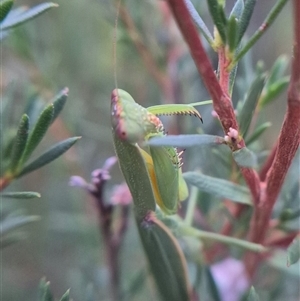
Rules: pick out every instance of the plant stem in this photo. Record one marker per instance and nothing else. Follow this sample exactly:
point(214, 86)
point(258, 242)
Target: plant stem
point(287, 145)
point(288, 142)
point(262, 29)
point(265, 168)
point(191, 206)
point(146, 56)
point(211, 236)
point(4, 182)
point(221, 99)
point(223, 73)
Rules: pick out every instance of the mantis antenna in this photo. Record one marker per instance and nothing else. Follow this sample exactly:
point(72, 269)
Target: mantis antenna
point(115, 45)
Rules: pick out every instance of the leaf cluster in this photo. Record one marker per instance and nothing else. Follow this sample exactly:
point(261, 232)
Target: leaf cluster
point(19, 142)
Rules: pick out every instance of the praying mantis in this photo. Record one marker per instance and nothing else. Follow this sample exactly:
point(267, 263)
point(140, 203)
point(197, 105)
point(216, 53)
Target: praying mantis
point(153, 174)
point(154, 177)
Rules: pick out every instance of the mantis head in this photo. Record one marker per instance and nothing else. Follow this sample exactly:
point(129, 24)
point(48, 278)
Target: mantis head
point(130, 121)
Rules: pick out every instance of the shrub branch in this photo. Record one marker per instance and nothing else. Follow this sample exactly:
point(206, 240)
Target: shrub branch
point(287, 144)
point(221, 100)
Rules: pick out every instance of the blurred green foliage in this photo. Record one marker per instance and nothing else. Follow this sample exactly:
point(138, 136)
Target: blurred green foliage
point(72, 45)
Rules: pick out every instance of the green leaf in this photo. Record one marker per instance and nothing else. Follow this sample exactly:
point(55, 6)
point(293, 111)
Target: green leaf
point(51, 154)
point(19, 143)
point(249, 105)
point(44, 291)
point(21, 195)
point(293, 252)
point(212, 287)
point(217, 13)
point(232, 33)
point(165, 258)
point(185, 230)
point(273, 90)
point(14, 222)
point(219, 187)
point(272, 15)
point(20, 18)
point(65, 296)
point(288, 214)
point(11, 238)
point(237, 9)
point(258, 132)
point(186, 140)
point(38, 132)
point(278, 70)
point(199, 22)
point(245, 18)
point(245, 157)
point(136, 284)
point(253, 296)
point(59, 102)
point(5, 7)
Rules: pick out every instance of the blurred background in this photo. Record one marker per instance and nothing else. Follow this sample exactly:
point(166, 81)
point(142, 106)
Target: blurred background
point(72, 46)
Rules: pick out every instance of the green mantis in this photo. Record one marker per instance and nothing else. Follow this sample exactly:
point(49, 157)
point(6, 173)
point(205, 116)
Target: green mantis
point(153, 174)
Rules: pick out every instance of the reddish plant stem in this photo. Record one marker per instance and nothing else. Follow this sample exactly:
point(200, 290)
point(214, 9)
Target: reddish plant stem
point(282, 241)
point(224, 74)
point(4, 182)
point(221, 100)
point(150, 63)
point(268, 163)
point(287, 145)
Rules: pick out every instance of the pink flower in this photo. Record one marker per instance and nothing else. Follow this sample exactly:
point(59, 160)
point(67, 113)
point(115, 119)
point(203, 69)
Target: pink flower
point(121, 195)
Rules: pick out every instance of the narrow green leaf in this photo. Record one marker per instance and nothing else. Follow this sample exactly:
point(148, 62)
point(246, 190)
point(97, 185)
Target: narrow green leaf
point(166, 259)
point(253, 296)
point(245, 18)
point(245, 157)
point(21, 195)
point(289, 214)
point(11, 238)
point(24, 16)
point(12, 223)
point(185, 230)
point(38, 132)
point(249, 105)
point(258, 132)
point(276, 9)
point(59, 102)
point(44, 291)
point(278, 69)
point(19, 143)
point(212, 287)
point(273, 90)
point(65, 296)
point(232, 33)
point(219, 187)
point(237, 9)
point(136, 284)
point(293, 252)
point(186, 140)
point(217, 13)
point(5, 7)
point(199, 22)
point(51, 154)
